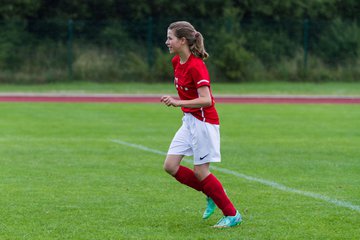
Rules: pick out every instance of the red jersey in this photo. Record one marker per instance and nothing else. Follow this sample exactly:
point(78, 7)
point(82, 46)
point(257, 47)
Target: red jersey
point(188, 78)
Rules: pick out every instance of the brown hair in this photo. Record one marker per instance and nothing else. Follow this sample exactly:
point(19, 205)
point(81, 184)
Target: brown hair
point(194, 38)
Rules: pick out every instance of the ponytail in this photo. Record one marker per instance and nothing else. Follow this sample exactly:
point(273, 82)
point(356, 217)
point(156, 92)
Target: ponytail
point(198, 48)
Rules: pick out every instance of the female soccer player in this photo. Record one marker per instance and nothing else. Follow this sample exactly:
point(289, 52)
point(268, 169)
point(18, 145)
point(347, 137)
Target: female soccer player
point(199, 134)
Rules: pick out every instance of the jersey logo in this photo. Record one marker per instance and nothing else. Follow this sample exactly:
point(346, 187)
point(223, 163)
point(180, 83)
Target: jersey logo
point(201, 158)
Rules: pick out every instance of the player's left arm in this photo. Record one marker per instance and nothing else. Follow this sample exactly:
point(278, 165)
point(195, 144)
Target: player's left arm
point(204, 99)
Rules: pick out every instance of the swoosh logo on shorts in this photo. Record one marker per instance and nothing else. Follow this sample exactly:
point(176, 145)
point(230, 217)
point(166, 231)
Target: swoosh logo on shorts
point(201, 158)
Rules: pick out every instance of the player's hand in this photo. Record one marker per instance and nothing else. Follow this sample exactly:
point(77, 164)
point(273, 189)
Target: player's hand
point(169, 101)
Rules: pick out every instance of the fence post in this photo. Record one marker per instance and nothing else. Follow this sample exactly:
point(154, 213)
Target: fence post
point(149, 40)
point(70, 49)
point(306, 43)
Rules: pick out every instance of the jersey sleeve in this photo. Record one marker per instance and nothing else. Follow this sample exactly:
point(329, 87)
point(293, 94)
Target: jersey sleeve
point(200, 74)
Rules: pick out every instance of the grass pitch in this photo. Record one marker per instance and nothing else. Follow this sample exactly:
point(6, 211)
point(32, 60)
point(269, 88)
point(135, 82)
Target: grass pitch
point(62, 176)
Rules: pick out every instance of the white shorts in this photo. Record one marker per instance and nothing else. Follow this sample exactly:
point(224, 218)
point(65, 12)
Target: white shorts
point(198, 139)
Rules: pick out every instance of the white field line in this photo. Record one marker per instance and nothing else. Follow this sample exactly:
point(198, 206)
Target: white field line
point(255, 179)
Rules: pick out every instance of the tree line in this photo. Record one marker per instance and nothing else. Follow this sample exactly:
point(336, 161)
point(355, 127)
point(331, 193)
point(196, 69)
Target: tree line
point(248, 39)
point(140, 9)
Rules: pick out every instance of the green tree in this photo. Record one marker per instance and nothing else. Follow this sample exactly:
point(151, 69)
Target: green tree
point(19, 9)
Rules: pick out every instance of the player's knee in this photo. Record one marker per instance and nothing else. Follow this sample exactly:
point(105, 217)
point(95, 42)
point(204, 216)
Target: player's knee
point(201, 174)
point(198, 175)
point(169, 168)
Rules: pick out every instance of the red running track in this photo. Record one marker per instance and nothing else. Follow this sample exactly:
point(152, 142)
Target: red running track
point(156, 98)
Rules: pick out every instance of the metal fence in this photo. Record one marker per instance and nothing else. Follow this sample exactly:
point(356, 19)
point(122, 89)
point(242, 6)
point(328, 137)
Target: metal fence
point(65, 50)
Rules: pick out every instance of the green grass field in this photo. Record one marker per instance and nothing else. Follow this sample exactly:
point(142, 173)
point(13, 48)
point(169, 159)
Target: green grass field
point(63, 176)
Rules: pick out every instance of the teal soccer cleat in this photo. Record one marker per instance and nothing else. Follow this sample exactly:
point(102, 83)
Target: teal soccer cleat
point(210, 208)
point(229, 221)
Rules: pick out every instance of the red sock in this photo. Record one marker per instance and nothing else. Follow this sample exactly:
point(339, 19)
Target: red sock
point(186, 176)
point(213, 188)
